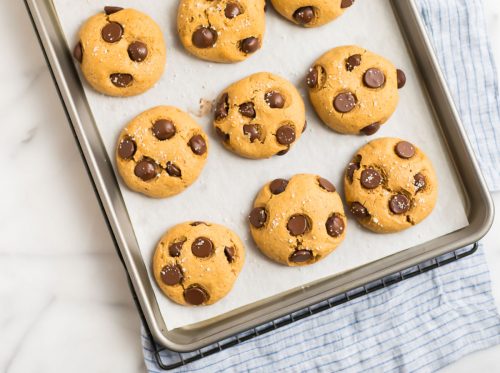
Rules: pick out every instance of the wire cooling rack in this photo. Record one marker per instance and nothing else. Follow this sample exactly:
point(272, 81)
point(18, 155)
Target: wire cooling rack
point(189, 357)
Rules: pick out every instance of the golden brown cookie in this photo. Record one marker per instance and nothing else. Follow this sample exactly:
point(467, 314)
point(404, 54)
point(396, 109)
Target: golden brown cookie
point(354, 91)
point(161, 152)
point(260, 116)
point(298, 222)
point(390, 185)
point(311, 13)
point(198, 263)
point(121, 52)
point(221, 30)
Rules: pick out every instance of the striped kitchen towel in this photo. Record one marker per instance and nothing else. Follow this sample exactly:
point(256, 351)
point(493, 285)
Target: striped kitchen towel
point(458, 31)
point(428, 321)
point(419, 325)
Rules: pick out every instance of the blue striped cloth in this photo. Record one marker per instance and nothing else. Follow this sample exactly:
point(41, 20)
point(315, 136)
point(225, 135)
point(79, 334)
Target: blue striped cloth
point(420, 325)
point(458, 31)
point(423, 323)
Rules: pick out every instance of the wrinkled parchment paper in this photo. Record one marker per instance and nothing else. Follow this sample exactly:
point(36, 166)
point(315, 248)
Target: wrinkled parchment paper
point(226, 189)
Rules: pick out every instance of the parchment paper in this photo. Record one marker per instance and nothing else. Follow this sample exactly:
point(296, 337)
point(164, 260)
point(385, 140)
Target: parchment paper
point(226, 189)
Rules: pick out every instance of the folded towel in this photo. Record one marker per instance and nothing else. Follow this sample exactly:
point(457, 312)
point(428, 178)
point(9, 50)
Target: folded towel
point(425, 322)
point(457, 29)
point(418, 325)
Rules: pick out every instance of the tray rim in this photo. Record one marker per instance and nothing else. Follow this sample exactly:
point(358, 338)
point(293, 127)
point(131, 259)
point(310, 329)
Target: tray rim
point(98, 166)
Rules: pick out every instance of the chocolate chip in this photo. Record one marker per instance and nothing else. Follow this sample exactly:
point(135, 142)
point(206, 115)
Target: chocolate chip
point(275, 100)
point(370, 129)
point(283, 152)
point(196, 223)
point(404, 149)
point(326, 185)
point(301, 256)
point(312, 78)
point(285, 135)
point(175, 248)
point(353, 167)
point(204, 37)
point(230, 253)
point(137, 51)
point(258, 217)
point(370, 178)
point(419, 182)
point(316, 77)
point(399, 204)
point(232, 10)
point(304, 15)
point(127, 148)
point(278, 186)
point(163, 129)
point(111, 9)
point(202, 247)
point(112, 32)
point(171, 275)
point(358, 210)
point(222, 107)
point(247, 109)
point(173, 170)
point(251, 131)
point(145, 170)
point(121, 80)
point(198, 145)
point(346, 3)
point(298, 225)
point(249, 45)
point(374, 78)
point(335, 225)
point(78, 52)
point(224, 136)
point(401, 76)
point(344, 102)
point(352, 62)
point(195, 295)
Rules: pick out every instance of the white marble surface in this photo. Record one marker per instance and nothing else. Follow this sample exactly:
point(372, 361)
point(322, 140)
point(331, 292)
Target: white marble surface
point(64, 302)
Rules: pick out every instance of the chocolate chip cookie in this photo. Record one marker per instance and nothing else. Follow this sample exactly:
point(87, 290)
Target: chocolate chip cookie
point(298, 221)
point(390, 185)
point(197, 263)
point(311, 13)
point(121, 52)
point(161, 152)
point(260, 116)
point(354, 91)
point(221, 30)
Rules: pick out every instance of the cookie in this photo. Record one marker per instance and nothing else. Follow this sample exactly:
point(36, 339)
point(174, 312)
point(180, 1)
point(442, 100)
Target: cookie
point(260, 116)
point(121, 52)
point(390, 185)
point(221, 30)
point(198, 263)
point(354, 91)
point(298, 221)
point(311, 13)
point(161, 152)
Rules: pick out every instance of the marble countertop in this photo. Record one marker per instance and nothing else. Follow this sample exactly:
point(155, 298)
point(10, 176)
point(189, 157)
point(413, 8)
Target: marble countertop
point(64, 302)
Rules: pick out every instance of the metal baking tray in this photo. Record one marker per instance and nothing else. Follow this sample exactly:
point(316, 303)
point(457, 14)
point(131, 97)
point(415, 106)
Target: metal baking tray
point(478, 202)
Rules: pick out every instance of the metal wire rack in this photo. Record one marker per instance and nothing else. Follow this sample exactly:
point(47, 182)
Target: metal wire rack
point(186, 358)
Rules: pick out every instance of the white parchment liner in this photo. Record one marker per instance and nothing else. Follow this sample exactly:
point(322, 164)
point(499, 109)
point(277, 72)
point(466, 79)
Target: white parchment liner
point(226, 189)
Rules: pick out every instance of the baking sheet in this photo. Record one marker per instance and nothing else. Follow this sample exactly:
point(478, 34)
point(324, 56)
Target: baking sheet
point(226, 189)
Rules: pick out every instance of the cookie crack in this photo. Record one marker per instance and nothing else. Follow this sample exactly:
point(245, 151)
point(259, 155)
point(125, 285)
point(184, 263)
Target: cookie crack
point(411, 195)
point(298, 244)
point(205, 11)
point(179, 265)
